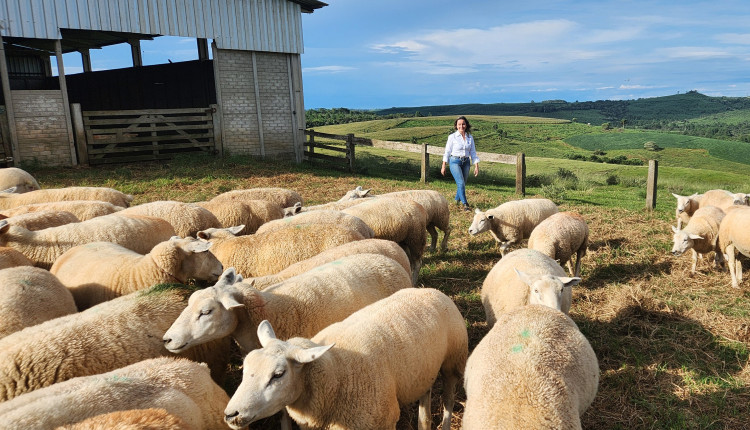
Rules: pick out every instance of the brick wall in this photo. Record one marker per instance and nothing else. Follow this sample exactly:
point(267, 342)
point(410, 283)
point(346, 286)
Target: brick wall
point(41, 127)
point(275, 104)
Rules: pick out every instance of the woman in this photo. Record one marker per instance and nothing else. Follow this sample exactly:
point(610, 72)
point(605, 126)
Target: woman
point(460, 150)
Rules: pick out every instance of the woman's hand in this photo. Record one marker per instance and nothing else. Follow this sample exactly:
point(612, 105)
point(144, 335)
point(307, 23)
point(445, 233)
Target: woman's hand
point(476, 169)
point(442, 169)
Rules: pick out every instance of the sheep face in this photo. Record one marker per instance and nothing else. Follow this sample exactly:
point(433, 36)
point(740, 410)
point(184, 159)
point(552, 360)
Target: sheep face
point(481, 222)
point(357, 193)
point(219, 233)
point(548, 290)
point(685, 203)
point(197, 262)
point(682, 241)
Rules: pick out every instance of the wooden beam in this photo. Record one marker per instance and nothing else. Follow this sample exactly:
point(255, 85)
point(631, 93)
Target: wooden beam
point(9, 105)
point(257, 107)
point(135, 52)
point(218, 130)
point(653, 173)
point(202, 49)
point(66, 104)
point(85, 59)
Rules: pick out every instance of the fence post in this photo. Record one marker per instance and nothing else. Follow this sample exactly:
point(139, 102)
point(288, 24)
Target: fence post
point(350, 151)
point(425, 163)
point(311, 145)
point(653, 173)
point(80, 133)
point(521, 173)
point(218, 137)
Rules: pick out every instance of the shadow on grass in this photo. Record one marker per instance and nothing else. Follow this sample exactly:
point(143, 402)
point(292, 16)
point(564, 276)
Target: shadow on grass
point(601, 276)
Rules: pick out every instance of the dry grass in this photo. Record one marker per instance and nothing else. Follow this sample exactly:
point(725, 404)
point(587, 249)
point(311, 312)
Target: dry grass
point(672, 348)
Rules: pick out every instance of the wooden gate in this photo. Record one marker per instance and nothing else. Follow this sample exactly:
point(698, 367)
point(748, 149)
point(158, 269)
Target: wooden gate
point(144, 134)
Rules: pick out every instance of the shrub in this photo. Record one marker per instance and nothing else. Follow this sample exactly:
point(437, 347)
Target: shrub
point(606, 126)
point(613, 180)
point(599, 152)
point(652, 146)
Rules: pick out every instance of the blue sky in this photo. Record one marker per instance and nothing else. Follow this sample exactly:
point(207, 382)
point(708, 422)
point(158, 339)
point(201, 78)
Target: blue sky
point(365, 54)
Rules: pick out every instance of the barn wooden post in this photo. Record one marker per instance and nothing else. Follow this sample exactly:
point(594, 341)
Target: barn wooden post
point(653, 173)
point(80, 133)
point(350, 151)
point(521, 173)
point(9, 112)
point(218, 137)
point(425, 163)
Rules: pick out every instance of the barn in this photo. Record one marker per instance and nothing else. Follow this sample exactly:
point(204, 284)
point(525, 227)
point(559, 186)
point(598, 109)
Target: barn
point(242, 96)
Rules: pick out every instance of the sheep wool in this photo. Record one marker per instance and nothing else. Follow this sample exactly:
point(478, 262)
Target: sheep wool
point(131, 419)
point(10, 257)
point(438, 212)
point(686, 206)
point(734, 237)
point(186, 218)
point(283, 197)
point(561, 236)
point(533, 370)
point(20, 180)
point(250, 213)
point(700, 235)
point(46, 195)
point(321, 217)
point(512, 221)
point(722, 199)
point(83, 209)
point(40, 220)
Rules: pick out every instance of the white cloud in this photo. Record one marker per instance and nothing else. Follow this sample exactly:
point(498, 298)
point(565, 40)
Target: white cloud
point(734, 38)
point(328, 69)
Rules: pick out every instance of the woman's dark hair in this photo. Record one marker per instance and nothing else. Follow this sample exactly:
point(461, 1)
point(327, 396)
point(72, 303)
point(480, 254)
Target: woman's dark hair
point(468, 126)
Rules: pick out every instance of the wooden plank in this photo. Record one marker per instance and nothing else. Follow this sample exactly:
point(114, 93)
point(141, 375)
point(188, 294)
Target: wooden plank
point(115, 121)
point(338, 160)
point(138, 112)
point(131, 129)
point(327, 135)
point(174, 137)
point(140, 148)
point(521, 174)
point(148, 157)
point(330, 148)
point(653, 173)
point(80, 133)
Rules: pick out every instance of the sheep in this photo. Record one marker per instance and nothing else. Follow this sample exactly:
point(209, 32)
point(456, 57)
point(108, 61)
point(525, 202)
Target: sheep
point(104, 194)
point(321, 217)
point(701, 235)
point(181, 387)
point(384, 247)
point(83, 209)
point(299, 306)
point(250, 213)
point(100, 271)
point(734, 237)
point(357, 193)
point(686, 206)
point(281, 196)
point(512, 221)
point(10, 257)
point(722, 199)
point(438, 212)
point(331, 206)
point(525, 276)
point(29, 296)
point(186, 218)
point(269, 253)
point(137, 233)
point(534, 369)
point(216, 235)
point(131, 419)
point(400, 220)
point(108, 336)
point(357, 373)
point(561, 236)
point(20, 180)
point(40, 220)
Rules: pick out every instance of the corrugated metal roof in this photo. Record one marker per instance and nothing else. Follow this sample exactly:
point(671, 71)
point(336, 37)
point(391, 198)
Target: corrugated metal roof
point(253, 25)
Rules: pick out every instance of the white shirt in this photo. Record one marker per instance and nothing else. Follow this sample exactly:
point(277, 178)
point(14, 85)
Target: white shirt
point(457, 146)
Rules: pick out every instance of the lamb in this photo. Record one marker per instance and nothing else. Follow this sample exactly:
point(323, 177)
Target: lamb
point(356, 374)
point(299, 306)
point(20, 180)
point(83, 209)
point(561, 236)
point(400, 220)
point(269, 253)
point(686, 206)
point(281, 196)
point(132, 419)
point(250, 213)
point(29, 296)
point(40, 220)
point(701, 235)
point(186, 218)
point(104, 194)
point(321, 217)
point(438, 212)
point(108, 336)
point(384, 247)
point(181, 387)
point(10, 257)
point(734, 237)
point(523, 277)
point(137, 233)
point(533, 370)
point(512, 221)
point(100, 271)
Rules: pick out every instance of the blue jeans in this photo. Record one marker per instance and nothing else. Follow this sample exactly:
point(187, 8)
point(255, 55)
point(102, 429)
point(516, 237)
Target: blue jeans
point(460, 171)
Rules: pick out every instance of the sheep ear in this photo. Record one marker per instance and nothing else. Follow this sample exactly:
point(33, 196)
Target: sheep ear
point(4, 226)
point(306, 355)
point(477, 211)
point(197, 246)
point(569, 282)
point(229, 276)
point(236, 229)
point(677, 196)
point(228, 301)
point(202, 235)
point(363, 193)
point(265, 333)
point(9, 190)
point(695, 236)
point(674, 229)
point(524, 277)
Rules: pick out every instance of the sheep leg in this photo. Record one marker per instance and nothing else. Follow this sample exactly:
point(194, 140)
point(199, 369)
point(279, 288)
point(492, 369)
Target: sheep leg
point(449, 397)
point(425, 414)
point(286, 420)
point(433, 237)
point(695, 261)
point(731, 262)
point(569, 265)
point(579, 255)
point(444, 243)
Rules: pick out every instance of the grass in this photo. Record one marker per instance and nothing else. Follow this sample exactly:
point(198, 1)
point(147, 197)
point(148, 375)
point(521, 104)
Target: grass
point(673, 349)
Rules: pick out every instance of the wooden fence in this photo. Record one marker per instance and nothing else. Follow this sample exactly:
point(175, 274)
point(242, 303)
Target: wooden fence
point(142, 135)
point(347, 161)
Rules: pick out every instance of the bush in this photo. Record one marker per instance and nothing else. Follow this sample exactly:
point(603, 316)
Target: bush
point(606, 126)
point(613, 180)
point(652, 146)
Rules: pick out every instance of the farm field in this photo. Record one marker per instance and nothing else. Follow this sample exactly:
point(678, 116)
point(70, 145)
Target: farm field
point(673, 349)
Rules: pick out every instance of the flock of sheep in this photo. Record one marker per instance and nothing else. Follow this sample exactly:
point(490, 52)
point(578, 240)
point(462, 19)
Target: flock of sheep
point(105, 324)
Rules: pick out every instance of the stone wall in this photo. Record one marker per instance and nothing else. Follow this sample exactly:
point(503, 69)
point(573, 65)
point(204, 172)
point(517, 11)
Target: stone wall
point(41, 127)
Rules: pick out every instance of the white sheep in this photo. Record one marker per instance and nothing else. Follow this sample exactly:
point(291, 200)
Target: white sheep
point(138, 233)
point(40, 220)
point(512, 221)
point(356, 374)
point(10, 257)
point(250, 213)
point(215, 235)
point(331, 206)
point(700, 235)
point(100, 271)
point(357, 193)
point(722, 199)
point(561, 236)
point(186, 218)
point(533, 370)
point(181, 387)
point(384, 247)
point(438, 212)
point(131, 419)
point(29, 296)
point(299, 306)
point(523, 277)
point(269, 253)
point(686, 206)
point(281, 196)
point(118, 198)
point(734, 236)
point(82, 209)
point(106, 337)
point(20, 180)
point(321, 217)
point(400, 220)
